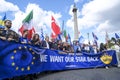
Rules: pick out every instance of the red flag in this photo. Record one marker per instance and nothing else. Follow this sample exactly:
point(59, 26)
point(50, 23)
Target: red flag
point(55, 27)
point(31, 32)
point(33, 29)
point(53, 36)
point(21, 29)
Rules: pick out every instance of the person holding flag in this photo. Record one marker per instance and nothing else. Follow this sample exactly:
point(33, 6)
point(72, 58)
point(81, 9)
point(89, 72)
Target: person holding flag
point(35, 41)
point(46, 43)
point(81, 43)
point(24, 39)
point(8, 34)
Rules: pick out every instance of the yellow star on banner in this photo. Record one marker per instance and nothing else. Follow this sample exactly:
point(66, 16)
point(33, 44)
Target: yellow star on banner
point(32, 63)
point(28, 68)
point(30, 49)
point(33, 52)
point(22, 69)
point(13, 64)
point(25, 47)
point(17, 68)
point(33, 57)
point(20, 47)
point(12, 57)
point(14, 51)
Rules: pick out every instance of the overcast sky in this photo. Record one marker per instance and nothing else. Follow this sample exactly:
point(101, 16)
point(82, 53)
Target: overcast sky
point(96, 16)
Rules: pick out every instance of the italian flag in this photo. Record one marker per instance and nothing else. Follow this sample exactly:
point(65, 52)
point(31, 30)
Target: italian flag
point(27, 24)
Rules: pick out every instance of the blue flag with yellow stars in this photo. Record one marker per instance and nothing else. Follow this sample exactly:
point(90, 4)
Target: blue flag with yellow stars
point(18, 59)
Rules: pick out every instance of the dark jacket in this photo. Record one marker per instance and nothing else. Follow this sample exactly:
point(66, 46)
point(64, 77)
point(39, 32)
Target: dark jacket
point(44, 45)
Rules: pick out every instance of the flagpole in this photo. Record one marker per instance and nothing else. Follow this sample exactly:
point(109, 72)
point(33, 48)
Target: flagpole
point(20, 25)
point(62, 31)
point(62, 25)
point(106, 38)
point(88, 37)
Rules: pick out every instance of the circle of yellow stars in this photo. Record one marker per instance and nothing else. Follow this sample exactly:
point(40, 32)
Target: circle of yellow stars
point(23, 68)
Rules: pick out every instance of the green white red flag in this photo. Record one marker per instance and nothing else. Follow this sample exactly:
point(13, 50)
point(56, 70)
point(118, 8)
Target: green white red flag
point(27, 23)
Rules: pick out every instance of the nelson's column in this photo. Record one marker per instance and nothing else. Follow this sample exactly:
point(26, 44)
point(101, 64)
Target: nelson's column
point(75, 23)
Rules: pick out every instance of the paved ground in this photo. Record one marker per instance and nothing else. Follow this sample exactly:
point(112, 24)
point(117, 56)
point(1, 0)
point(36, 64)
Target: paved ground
point(83, 74)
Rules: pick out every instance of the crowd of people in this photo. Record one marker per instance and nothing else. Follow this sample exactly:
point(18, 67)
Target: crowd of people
point(7, 34)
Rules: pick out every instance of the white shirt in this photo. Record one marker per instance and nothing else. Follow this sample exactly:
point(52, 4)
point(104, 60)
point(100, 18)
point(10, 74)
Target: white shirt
point(47, 45)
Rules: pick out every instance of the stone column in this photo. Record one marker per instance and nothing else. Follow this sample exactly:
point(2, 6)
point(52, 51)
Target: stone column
point(76, 34)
